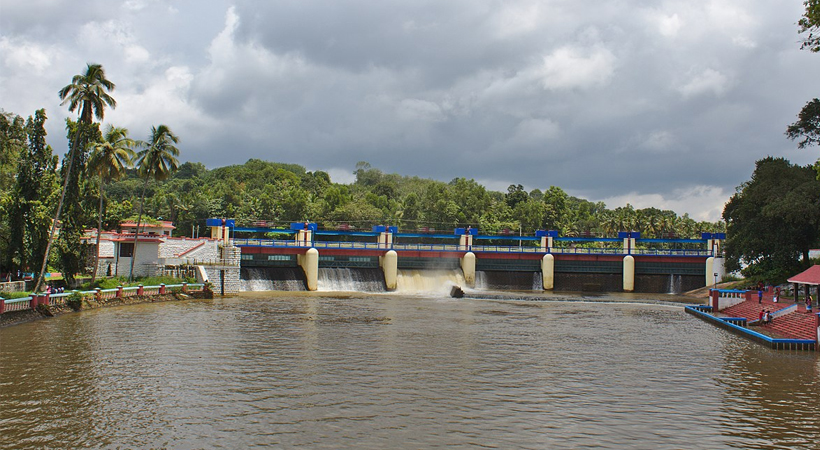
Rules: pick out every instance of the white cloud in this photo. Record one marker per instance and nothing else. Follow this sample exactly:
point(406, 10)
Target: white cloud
point(709, 80)
point(700, 202)
point(658, 141)
point(670, 25)
point(22, 55)
point(338, 175)
point(517, 18)
point(570, 67)
point(735, 19)
point(164, 101)
point(114, 40)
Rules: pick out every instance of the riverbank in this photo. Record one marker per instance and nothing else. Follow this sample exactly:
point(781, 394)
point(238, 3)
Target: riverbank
point(46, 311)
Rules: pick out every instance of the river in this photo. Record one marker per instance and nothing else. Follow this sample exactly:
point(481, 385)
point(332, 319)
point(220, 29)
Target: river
point(286, 370)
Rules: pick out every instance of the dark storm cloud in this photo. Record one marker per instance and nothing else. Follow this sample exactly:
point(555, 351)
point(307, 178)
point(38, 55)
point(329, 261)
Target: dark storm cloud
point(631, 101)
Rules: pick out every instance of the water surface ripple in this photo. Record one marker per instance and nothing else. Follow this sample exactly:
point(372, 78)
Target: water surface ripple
point(390, 371)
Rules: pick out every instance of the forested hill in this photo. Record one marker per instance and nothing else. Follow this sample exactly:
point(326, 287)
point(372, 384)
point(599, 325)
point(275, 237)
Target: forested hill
point(283, 193)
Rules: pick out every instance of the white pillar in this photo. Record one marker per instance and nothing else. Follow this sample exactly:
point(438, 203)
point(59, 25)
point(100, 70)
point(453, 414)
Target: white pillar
point(629, 273)
point(310, 265)
point(385, 240)
point(719, 267)
point(710, 274)
point(304, 238)
point(468, 267)
point(465, 242)
point(548, 272)
point(390, 266)
point(546, 243)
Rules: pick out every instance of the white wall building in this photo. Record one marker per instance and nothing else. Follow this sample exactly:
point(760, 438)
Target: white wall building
point(156, 249)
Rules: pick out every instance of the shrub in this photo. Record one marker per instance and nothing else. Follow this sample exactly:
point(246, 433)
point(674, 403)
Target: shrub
point(74, 301)
point(156, 281)
point(13, 295)
point(114, 282)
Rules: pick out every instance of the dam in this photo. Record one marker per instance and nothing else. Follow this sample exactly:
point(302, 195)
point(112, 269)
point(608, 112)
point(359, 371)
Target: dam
point(305, 257)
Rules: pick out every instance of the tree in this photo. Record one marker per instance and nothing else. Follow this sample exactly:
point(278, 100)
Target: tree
point(109, 160)
point(12, 143)
point(89, 93)
point(157, 161)
point(515, 195)
point(367, 175)
point(807, 126)
point(772, 220)
point(36, 181)
point(78, 205)
point(810, 23)
point(555, 208)
point(12, 146)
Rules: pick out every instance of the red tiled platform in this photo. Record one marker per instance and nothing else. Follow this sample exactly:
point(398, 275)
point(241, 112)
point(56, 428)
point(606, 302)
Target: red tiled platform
point(796, 325)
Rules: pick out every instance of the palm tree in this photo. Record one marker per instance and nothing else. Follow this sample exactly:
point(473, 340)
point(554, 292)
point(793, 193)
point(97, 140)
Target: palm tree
point(109, 159)
point(157, 161)
point(89, 93)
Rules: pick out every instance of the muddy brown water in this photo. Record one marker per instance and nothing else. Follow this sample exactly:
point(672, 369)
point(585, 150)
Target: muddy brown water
point(289, 370)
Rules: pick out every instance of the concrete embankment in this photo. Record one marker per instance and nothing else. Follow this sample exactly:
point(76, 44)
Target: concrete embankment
point(45, 311)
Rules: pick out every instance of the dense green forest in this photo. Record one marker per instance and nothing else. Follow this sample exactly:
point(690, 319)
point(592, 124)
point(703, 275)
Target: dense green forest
point(282, 193)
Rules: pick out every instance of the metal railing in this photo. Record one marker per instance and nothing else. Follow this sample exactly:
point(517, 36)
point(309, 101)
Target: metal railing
point(276, 243)
point(32, 301)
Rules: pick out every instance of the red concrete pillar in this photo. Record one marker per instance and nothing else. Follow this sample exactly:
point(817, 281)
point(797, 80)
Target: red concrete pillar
point(748, 296)
point(162, 289)
point(98, 294)
point(119, 291)
point(35, 300)
point(45, 299)
point(140, 290)
point(715, 296)
point(184, 288)
point(2, 306)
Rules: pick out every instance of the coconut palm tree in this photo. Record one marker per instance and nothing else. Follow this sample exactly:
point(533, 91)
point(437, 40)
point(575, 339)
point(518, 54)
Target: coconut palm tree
point(157, 160)
point(109, 160)
point(89, 93)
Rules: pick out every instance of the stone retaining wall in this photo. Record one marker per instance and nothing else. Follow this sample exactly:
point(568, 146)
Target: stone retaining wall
point(18, 317)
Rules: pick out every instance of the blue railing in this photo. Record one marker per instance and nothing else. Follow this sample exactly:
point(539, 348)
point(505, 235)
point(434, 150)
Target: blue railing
point(729, 291)
point(729, 323)
point(279, 243)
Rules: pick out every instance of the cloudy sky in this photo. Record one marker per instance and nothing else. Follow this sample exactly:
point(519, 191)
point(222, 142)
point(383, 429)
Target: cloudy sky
point(663, 103)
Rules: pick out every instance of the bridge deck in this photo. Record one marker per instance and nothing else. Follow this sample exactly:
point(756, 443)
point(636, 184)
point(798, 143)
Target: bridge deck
point(293, 244)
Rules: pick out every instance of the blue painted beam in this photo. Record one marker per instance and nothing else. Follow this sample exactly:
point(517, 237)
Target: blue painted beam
point(672, 241)
point(586, 239)
point(346, 233)
point(263, 230)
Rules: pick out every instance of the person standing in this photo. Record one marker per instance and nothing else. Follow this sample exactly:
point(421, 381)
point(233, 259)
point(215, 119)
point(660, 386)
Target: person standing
point(808, 303)
point(759, 295)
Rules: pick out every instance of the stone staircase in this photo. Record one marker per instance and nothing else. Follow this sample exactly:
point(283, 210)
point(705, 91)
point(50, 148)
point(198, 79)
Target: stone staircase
point(795, 325)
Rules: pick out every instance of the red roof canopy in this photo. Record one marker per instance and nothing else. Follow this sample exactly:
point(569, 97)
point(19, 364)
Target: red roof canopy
point(810, 276)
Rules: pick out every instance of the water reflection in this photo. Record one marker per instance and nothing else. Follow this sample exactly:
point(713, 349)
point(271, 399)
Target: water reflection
point(390, 371)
